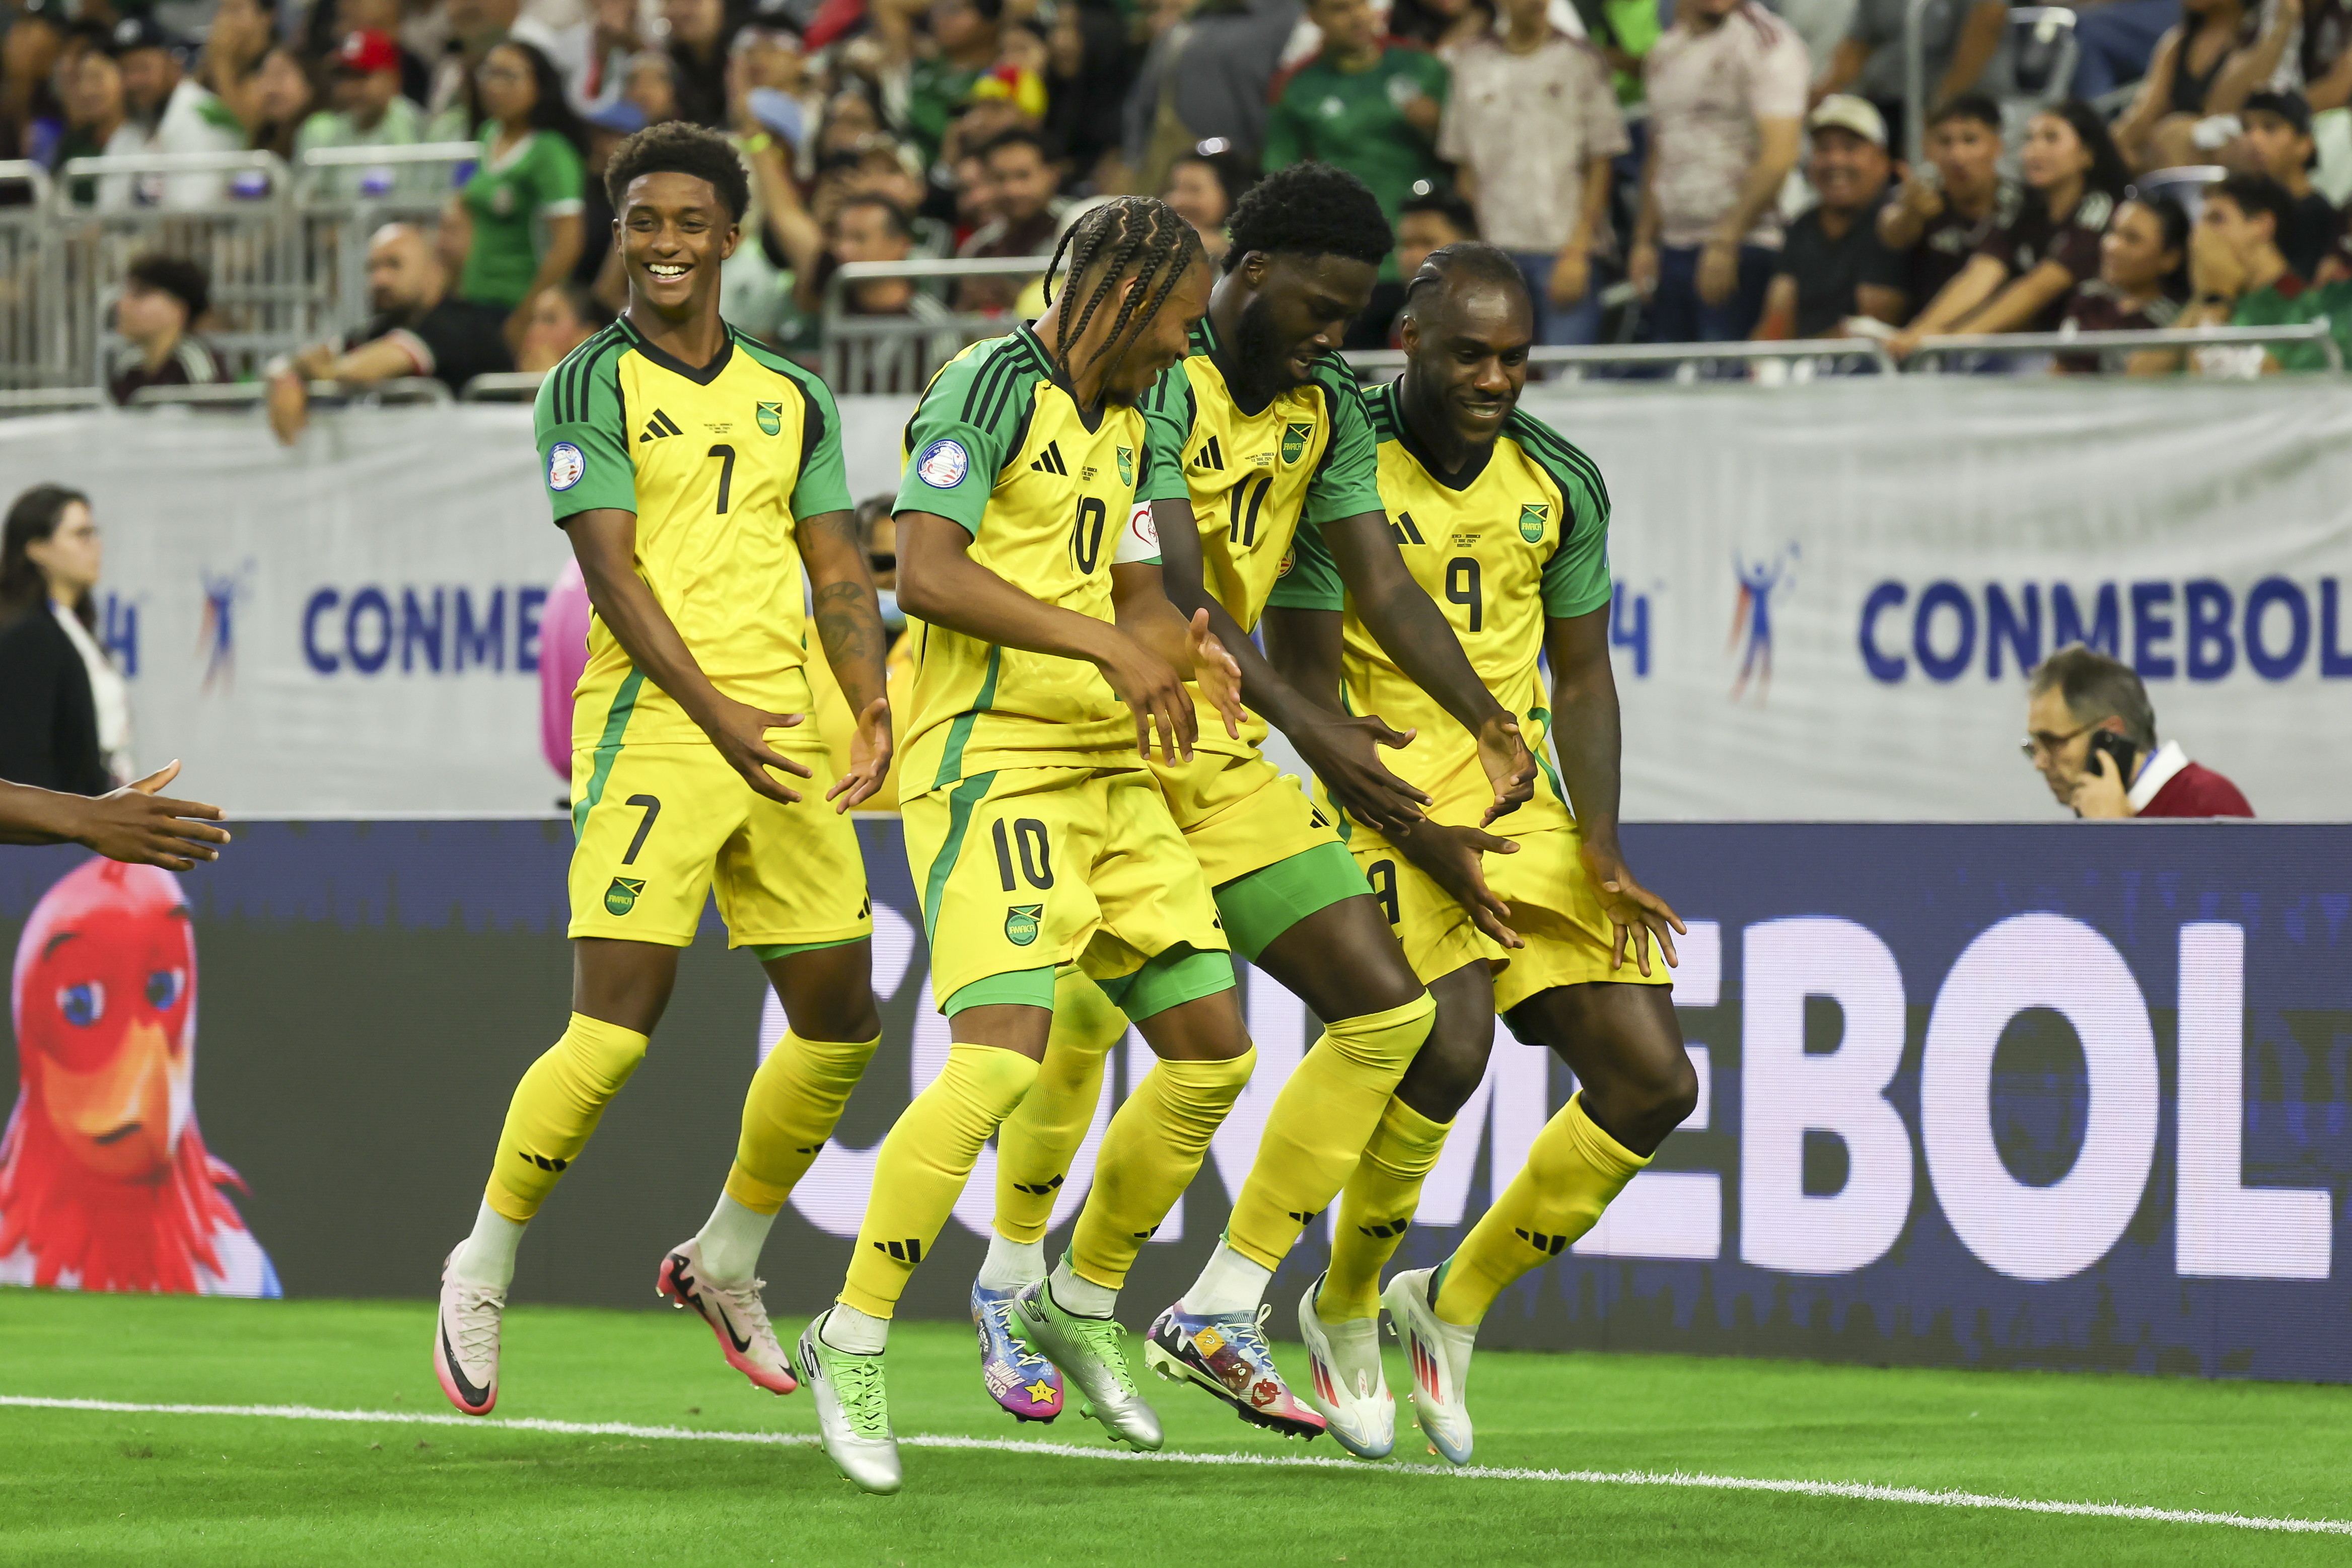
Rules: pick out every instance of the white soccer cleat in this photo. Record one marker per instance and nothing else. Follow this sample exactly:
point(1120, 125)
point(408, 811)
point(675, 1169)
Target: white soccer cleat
point(853, 1412)
point(735, 1313)
point(465, 1340)
point(1345, 1384)
point(1440, 1355)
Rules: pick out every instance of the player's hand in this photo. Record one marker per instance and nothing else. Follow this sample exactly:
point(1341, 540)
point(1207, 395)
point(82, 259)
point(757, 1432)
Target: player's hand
point(1453, 858)
point(1642, 269)
point(136, 825)
point(1510, 766)
point(2101, 792)
point(869, 758)
point(1635, 913)
point(1344, 754)
point(1215, 672)
point(1719, 271)
point(740, 732)
point(1155, 694)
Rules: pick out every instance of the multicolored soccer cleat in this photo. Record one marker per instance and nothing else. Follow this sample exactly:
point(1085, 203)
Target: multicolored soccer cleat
point(1345, 1384)
point(465, 1340)
point(1020, 1380)
point(735, 1313)
point(853, 1412)
point(1227, 1354)
point(1439, 1353)
point(1093, 1353)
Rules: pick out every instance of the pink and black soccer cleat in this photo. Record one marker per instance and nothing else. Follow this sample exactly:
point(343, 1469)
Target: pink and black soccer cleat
point(735, 1313)
point(465, 1341)
point(1227, 1354)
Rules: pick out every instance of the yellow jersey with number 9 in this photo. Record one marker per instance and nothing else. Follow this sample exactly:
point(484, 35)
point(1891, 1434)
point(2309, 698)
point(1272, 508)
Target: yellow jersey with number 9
point(1518, 536)
point(720, 465)
point(999, 447)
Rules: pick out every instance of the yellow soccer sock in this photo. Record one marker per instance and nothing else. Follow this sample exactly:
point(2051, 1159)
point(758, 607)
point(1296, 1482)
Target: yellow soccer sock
point(1320, 1125)
point(1148, 1157)
point(555, 1107)
point(796, 1099)
point(924, 1164)
point(1573, 1171)
point(1376, 1209)
point(1035, 1147)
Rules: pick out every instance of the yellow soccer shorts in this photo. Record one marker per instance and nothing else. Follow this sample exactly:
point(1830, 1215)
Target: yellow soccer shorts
point(1555, 909)
point(1240, 813)
point(659, 826)
point(1024, 870)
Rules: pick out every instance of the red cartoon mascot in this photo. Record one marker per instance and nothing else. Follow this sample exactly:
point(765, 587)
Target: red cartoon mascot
point(105, 1183)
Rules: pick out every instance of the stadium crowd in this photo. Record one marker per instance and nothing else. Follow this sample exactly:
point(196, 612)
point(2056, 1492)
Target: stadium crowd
point(1671, 171)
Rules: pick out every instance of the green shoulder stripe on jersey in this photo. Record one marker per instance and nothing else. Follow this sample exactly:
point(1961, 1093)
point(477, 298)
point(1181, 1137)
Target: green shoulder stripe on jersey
point(1380, 403)
point(570, 379)
point(1569, 466)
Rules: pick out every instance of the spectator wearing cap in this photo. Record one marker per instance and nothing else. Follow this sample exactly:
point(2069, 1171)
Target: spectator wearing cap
point(1431, 219)
point(165, 111)
point(1202, 186)
point(1832, 264)
point(2239, 278)
point(1531, 126)
point(419, 329)
point(1364, 104)
point(163, 298)
point(332, 21)
point(31, 119)
point(2278, 139)
point(966, 37)
point(2142, 283)
point(2079, 695)
point(1950, 206)
point(1024, 177)
point(1726, 92)
point(363, 80)
point(1957, 41)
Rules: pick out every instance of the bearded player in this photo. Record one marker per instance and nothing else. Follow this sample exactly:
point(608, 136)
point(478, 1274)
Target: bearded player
point(1035, 832)
point(1508, 522)
point(696, 474)
point(1260, 437)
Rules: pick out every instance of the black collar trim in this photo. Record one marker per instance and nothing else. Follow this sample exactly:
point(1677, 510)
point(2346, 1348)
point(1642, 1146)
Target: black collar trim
point(677, 367)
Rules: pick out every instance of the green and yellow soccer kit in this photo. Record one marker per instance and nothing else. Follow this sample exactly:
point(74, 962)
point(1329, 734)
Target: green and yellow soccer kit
point(719, 465)
point(1520, 536)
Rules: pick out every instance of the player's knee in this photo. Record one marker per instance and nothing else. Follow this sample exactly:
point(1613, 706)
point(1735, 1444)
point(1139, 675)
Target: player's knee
point(1451, 1065)
point(1674, 1095)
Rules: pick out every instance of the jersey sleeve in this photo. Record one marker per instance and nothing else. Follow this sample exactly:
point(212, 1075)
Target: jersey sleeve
point(1167, 425)
point(823, 482)
point(1576, 576)
point(583, 449)
point(1138, 542)
point(558, 178)
point(1347, 483)
point(960, 438)
point(1311, 579)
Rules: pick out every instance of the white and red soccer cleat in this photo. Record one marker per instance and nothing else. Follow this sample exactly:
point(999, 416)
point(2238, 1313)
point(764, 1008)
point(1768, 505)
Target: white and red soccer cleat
point(1439, 1353)
point(465, 1341)
point(735, 1313)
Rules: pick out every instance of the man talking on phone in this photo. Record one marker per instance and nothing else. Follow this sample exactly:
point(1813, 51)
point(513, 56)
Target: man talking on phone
point(2090, 728)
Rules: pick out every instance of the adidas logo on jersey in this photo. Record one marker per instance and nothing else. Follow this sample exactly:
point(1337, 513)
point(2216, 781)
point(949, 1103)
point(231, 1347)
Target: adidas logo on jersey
point(1049, 461)
point(659, 425)
point(1404, 529)
point(1210, 457)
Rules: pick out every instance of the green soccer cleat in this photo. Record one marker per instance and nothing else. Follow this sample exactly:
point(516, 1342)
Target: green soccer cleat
point(1092, 1353)
point(853, 1412)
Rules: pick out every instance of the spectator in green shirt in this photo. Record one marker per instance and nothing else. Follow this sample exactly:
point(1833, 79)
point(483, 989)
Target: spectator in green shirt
point(2240, 278)
point(523, 204)
point(1363, 105)
point(968, 34)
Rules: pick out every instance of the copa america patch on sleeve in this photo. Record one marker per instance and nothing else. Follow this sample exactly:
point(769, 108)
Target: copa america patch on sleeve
point(1140, 545)
point(943, 464)
point(564, 466)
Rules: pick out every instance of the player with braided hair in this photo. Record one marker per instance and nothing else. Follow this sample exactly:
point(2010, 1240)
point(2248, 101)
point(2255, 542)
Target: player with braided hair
point(1260, 439)
point(1050, 658)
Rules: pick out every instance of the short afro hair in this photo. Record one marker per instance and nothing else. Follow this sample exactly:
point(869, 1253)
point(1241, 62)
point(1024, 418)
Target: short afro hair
point(183, 279)
point(1310, 209)
point(681, 147)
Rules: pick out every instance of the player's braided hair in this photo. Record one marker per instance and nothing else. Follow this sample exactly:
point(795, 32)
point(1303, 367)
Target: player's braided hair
point(1136, 236)
point(1469, 261)
point(1310, 209)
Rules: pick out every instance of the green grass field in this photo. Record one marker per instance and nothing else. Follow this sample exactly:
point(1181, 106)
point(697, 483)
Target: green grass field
point(80, 1485)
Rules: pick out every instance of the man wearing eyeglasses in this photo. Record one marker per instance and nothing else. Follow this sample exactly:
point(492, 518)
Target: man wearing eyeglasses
point(2092, 731)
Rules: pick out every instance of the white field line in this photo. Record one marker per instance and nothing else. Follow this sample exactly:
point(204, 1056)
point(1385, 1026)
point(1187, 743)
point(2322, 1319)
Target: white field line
point(1858, 1492)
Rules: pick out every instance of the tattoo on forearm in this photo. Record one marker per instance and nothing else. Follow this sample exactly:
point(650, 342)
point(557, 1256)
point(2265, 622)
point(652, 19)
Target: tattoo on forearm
point(849, 625)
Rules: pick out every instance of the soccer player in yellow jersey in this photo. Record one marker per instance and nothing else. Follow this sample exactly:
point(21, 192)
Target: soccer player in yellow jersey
point(1036, 835)
point(1508, 524)
point(696, 473)
point(1260, 437)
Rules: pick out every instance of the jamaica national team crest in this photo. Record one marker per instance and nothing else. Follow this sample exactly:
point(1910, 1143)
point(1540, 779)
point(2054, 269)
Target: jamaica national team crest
point(1532, 519)
point(772, 418)
point(1127, 465)
point(1294, 441)
point(621, 896)
point(1021, 923)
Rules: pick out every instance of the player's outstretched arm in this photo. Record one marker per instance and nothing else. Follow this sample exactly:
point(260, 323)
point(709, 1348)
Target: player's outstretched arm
point(132, 823)
point(849, 625)
point(1409, 628)
point(939, 582)
point(605, 541)
point(1140, 600)
point(1342, 749)
point(1584, 727)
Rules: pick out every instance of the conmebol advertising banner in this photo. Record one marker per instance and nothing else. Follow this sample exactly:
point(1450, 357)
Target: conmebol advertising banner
point(2062, 1096)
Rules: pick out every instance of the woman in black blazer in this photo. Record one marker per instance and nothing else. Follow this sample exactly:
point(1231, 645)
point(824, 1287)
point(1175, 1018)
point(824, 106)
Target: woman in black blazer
point(49, 730)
